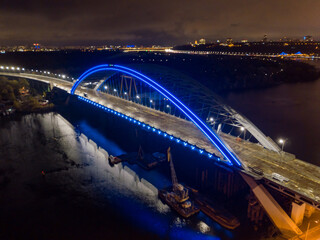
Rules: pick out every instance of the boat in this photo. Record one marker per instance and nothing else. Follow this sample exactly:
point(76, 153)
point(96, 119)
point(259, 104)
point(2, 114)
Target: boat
point(177, 196)
point(215, 211)
point(149, 161)
point(114, 160)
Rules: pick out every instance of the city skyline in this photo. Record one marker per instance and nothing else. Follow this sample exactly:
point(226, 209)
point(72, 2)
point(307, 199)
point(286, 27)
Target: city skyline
point(148, 23)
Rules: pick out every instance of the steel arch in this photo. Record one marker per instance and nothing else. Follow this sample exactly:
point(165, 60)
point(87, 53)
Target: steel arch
point(212, 136)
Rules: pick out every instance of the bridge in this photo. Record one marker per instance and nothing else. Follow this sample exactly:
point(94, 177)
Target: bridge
point(175, 107)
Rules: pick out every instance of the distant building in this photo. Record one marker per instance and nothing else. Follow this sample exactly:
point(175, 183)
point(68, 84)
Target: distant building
point(36, 47)
point(265, 38)
point(202, 41)
point(308, 38)
point(244, 40)
point(196, 42)
point(229, 41)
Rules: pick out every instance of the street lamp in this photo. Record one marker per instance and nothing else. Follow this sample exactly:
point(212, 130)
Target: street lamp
point(282, 142)
point(242, 129)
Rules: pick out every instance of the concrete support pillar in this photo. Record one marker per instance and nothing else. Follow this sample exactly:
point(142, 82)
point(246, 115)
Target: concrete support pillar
point(297, 212)
point(309, 211)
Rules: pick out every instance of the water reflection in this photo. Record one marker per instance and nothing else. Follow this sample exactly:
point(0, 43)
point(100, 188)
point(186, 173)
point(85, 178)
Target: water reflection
point(79, 178)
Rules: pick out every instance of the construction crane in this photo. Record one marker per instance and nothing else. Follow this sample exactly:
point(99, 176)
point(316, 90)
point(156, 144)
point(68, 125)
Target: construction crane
point(181, 193)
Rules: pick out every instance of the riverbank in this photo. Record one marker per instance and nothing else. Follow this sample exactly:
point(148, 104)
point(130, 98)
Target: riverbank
point(16, 96)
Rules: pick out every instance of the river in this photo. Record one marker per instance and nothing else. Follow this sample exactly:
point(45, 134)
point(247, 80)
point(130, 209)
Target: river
point(288, 111)
point(81, 196)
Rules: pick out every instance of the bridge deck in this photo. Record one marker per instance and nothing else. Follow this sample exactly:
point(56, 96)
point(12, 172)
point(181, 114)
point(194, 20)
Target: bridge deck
point(304, 178)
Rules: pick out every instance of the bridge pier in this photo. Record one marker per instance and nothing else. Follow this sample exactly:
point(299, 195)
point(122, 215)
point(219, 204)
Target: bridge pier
point(277, 215)
point(297, 212)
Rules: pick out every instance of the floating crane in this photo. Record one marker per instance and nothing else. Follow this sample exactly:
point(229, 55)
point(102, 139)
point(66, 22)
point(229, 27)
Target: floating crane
point(177, 196)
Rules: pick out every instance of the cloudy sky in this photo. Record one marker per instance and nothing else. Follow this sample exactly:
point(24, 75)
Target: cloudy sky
point(165, 22)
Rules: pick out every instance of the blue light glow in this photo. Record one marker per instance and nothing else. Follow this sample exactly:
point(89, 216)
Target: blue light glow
point(229, 156)
point(144, 125)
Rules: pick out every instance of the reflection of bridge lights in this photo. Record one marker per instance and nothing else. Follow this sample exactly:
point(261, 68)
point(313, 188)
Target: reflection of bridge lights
point(153, 129)
point(178, 140)
point(193, 147)
point(200, 151)
point(171, 137)
point(185, 143)
point(165, 134)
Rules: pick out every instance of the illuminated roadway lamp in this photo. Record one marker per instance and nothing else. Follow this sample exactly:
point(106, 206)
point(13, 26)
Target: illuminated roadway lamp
point(7, 67)
point(125, 93)
point(106, 87)
point(282, 142)
point(2, 67)
point(185, 144)
point(151, 101)
point(193, 147)
point(114, 90)
point(18, 68)
point(12, 68)
point(138, 96)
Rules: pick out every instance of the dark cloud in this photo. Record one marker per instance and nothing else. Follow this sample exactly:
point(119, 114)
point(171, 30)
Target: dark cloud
point(59, 22)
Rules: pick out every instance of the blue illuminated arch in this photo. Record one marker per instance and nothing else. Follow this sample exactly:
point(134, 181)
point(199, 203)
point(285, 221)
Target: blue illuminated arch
point(223, 149)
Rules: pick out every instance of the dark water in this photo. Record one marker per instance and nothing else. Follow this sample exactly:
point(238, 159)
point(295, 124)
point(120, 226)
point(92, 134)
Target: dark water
point(81, 195)
point(289, 111)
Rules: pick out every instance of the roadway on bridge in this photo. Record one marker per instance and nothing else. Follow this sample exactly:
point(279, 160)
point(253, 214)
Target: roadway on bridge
point(304, 178)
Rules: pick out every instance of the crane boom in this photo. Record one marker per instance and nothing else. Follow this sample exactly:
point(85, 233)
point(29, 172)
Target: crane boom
point(173, 172)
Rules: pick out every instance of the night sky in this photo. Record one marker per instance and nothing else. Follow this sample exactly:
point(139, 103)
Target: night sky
point(165, 22)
